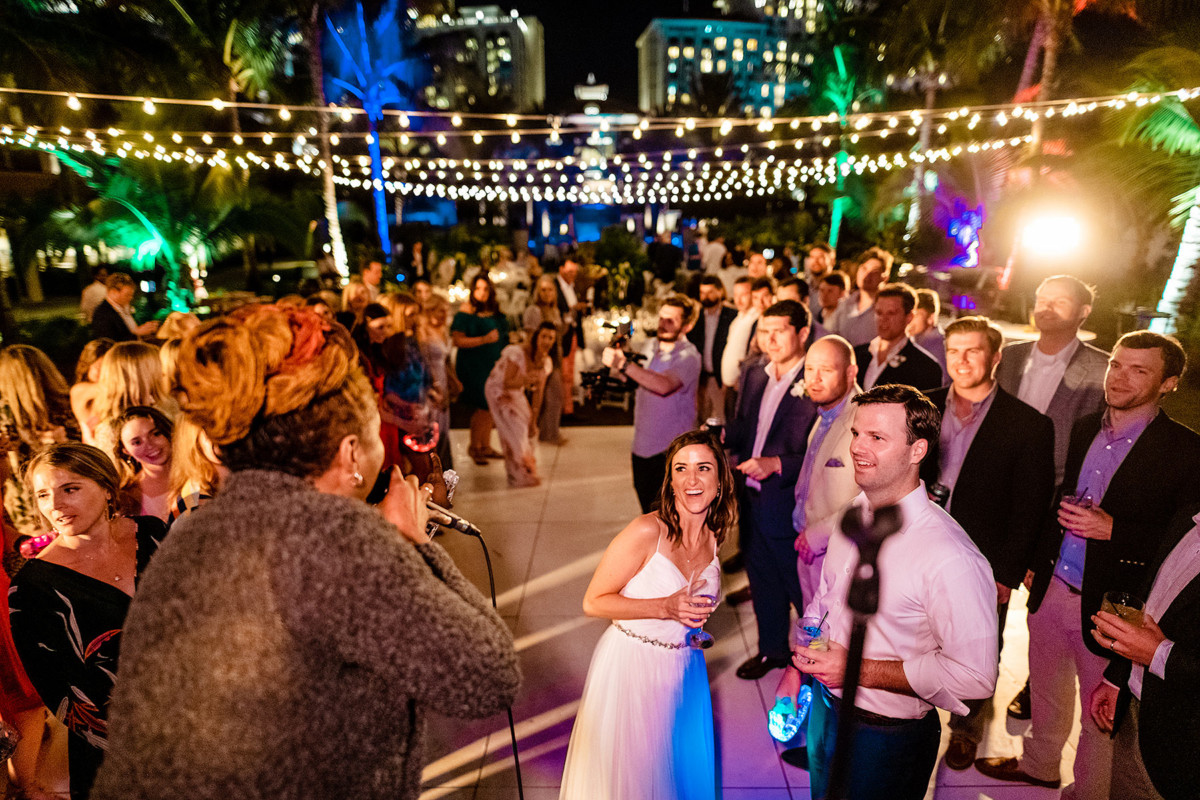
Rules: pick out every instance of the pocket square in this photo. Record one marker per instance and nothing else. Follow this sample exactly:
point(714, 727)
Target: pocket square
point(834, 462)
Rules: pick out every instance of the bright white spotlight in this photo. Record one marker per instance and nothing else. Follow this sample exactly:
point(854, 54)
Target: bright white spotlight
point(1053, 235)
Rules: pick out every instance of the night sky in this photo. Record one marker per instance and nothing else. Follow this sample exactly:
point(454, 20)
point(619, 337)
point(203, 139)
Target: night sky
point(597, 36)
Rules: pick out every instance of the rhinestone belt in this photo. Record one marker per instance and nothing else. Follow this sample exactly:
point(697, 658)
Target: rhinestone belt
point(648, 640)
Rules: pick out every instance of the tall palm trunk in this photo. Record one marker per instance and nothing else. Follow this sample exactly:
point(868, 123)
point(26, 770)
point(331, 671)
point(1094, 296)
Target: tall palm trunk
point(916, 210)
point(1183, 272)
point(317, 72)
point(1029, 70)
point(377, 187)
point(249, 254)
point(1057, 27)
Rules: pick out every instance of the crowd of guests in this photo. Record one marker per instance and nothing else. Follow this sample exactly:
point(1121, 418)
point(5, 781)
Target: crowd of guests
point(197, 499)
point(245, 446)
point(1047, 464)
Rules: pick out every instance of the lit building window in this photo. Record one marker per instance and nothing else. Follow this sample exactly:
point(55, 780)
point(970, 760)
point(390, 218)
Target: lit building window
point(720, 65)
point(808, 58)
point(706, 54)
point(685, 98)
point(706, 66)
point(781, 69)
point(783, 11)
point(768, 55)
point(719, 42)
point(766, 90)
point(689, 52)
point(752, 45)
point(672, 67)
point(782, 44)
point(810, 26)
point(673, 51)
point(737, 55)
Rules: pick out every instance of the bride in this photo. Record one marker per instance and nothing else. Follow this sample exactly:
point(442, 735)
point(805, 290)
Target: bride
point(644, 730)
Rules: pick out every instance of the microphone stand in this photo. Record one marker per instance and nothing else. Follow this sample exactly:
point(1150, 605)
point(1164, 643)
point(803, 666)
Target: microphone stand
point(863, 601)
point(475, 533)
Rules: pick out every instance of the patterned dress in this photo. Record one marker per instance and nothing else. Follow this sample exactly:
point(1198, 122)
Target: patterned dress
point(67, 629)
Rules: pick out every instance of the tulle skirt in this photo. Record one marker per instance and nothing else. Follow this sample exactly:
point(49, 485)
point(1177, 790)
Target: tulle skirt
point(644, 730)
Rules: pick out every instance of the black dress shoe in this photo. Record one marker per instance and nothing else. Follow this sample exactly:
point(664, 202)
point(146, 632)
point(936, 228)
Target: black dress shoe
point(1020, 707)
point(735, 563)
point(740, 596)
point(757, 666)
point(796, 757)
point(1009, 769)
point(961, 754)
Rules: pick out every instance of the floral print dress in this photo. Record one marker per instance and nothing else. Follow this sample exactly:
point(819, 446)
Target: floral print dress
point(67, 629)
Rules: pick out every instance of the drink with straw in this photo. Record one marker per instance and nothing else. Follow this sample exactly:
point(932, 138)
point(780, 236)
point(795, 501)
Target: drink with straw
point(1124, 605)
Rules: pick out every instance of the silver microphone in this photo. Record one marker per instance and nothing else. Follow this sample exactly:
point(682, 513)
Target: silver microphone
point(449, 519)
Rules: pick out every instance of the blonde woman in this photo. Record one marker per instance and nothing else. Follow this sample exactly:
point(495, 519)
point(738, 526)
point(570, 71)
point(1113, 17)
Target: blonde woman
point(434, 341)
point(35, 411)
point(196, 472)
point(355, 298)
point(86, 388)
point(130, 375)
point(544, 308)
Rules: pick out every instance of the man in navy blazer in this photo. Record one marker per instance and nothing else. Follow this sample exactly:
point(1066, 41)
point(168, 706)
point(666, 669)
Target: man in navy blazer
point(892, 357)
point(709, 335)
point(767, 439)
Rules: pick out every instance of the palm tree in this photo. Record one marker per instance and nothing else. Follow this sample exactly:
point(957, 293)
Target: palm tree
point(1170, 127)
point(373, 68)
point(933, 45)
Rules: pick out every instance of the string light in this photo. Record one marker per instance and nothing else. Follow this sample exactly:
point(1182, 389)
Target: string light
point(148, 106)
point(73, 103)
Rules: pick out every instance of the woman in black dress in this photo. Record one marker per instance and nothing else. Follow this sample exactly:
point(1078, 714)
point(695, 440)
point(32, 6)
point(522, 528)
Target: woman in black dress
point(68, 606)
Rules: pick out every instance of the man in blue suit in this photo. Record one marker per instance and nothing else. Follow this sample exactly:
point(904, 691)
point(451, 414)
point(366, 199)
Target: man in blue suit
point(767, 438)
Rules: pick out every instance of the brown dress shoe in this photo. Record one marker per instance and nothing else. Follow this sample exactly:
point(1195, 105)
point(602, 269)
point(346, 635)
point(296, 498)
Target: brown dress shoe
point(1009, 769)
point(961, 753)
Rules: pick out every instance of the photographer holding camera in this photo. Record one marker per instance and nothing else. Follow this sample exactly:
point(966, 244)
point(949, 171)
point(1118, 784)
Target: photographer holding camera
point(665, 402)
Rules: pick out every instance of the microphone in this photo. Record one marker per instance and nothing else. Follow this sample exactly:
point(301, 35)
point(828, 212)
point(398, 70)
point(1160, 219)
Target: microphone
point(449, 519)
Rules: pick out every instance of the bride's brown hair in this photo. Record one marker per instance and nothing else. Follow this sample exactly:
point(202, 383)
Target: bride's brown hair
point(273, 388)
point(722, 517)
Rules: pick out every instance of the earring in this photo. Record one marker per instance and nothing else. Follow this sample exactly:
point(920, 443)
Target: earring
point(358, 479)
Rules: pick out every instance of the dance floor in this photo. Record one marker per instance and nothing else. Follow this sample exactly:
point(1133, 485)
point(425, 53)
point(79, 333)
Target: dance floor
point(545, 542)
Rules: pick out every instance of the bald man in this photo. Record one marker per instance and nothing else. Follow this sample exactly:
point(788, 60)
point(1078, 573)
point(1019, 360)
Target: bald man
point(826, 483)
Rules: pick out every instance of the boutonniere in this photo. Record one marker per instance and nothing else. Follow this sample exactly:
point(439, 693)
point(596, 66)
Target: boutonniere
point(896, 360)
point(798, 388)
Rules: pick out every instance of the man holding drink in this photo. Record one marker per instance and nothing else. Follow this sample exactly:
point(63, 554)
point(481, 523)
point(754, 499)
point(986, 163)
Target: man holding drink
point(932, 642)
point(1120, 491)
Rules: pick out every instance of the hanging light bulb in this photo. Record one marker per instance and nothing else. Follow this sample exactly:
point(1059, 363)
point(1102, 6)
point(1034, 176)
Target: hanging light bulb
point(334, 139)
point(148, 106)
point(73, 102)
point(284, 113)
point(441, 140)
point(268, 138)
point(477, 138)
point(206, 138)
point(456, 120)
point(237, 139)
point(516, 137)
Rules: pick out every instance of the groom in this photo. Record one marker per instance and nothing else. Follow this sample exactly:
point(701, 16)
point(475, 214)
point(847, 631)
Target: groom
point(932, 642)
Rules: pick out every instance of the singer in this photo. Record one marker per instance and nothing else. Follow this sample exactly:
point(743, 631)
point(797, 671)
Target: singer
point(289, 640)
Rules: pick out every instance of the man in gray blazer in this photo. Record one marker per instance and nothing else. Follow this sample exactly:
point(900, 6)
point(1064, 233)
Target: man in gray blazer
point(1058, 375)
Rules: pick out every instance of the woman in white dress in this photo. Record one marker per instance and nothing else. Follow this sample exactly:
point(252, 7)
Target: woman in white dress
point(521, 369)
point(644, 730)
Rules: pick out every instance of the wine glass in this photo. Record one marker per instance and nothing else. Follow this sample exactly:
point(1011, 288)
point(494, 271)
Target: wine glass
point(699, 638)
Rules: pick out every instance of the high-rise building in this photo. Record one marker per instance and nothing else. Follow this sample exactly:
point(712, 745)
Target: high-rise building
point(483, 59)
point(710, 67)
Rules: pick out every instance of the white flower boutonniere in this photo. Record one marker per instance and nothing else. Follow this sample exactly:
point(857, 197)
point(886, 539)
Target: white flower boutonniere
point(798, 388)
point(896, 360)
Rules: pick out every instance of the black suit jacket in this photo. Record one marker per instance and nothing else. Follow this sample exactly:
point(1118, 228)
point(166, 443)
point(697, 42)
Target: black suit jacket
point(917, 368)
point(696, 337)
point(1156, 480)
point(108, 324)
point(787, 438)
point(575, 329)
point(1169, 718)
point(1004, 488)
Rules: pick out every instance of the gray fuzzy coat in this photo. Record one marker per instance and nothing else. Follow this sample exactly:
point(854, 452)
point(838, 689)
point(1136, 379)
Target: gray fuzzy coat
point(287, 644)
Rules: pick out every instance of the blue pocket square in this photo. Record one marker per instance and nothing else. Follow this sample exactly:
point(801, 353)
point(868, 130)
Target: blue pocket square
point(834, 462)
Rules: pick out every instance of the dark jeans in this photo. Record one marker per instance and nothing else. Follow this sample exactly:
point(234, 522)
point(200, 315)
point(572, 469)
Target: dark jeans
point(971, 726)
point(647, 479)
point(889, 762)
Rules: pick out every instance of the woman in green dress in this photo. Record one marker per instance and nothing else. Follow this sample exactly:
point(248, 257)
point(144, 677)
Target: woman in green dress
point(480, 332)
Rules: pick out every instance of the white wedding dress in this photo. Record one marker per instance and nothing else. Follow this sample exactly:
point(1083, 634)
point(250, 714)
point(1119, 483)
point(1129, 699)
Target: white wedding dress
point(644, 729)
